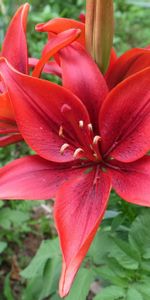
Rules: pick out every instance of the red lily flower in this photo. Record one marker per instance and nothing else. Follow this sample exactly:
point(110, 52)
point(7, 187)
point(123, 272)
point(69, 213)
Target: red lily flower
point(14, 49)
point(89, 140)
point(17, 55)
point(120, 68)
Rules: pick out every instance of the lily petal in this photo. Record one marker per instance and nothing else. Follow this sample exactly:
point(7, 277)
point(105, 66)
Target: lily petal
point(79, 208)
point(9, 132)
point(50, 67)
point(125, 119)
point(81, 75)
point(34, 178)
point(41, 108)
point(15, 46)
point(6, 107)
point(61, 24)
point(132, 181)
point(10, 139)
point(53, 46)
point(129, 63)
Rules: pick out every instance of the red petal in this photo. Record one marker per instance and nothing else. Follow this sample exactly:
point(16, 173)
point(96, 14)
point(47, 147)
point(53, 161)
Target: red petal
point(128, 64)
point(113, 59)
point(125, 119)
point(6, 107)
point(61, 24)
point(53, 46)
point(132, 181)
point(41, 107)
point(81, 75)
point(10, 139)
point(80, 205)
point(82, 17)
point(15, 46)
point(8, 126)
point(51, 67)
point(33, 178)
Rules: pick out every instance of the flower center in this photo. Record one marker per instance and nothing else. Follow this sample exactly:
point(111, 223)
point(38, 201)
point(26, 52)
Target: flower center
point(81, 137)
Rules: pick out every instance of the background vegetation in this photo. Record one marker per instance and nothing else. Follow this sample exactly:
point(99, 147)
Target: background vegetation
point(117, 266)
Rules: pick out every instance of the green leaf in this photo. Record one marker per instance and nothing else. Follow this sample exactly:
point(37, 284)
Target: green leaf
point(33, 289)
point(3, 246)
point(146, 254)
point(48, 249)
point(45, 285)
point(111, 293)
point(139, 3)
point(119, 271)
point(55, 297)
point(9, 217)
point(145, 265)
point(100, 247)
point(110, 275)
point(51, 277)
point(125, 255)
point(81, 285)
point(117, 221)
point(7, 289)
point(139, 235)
point(132, 294)
point(144, 288)
point(1, 203)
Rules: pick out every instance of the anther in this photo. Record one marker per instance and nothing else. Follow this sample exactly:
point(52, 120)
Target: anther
point(77, 151)
point(61, 131)
point(96, 139)
point(90, 127)
point(63, 148)
point(111, 158)
point(81, 123)
point(95, 155)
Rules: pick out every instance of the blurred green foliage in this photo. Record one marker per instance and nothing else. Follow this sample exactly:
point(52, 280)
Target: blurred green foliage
point(119, 259)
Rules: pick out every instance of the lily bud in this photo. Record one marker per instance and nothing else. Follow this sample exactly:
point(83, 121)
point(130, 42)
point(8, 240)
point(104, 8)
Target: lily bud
point(99, 31)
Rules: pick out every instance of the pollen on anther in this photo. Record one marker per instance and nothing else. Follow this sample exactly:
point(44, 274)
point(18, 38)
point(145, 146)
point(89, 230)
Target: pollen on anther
point(81, 124)
point(95, 155)
point(77, 151)
point(96, 139)
point(111, 158)
point(90, 127)
point(61, 131)
point(63, 148)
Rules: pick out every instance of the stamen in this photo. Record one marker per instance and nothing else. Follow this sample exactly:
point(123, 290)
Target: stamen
point(96, 139)
point(81, 124)
point(90, 127)
point(61, 131)
point(95, 155)
point(63, 148)
point(77, 151)
point(111, 158)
